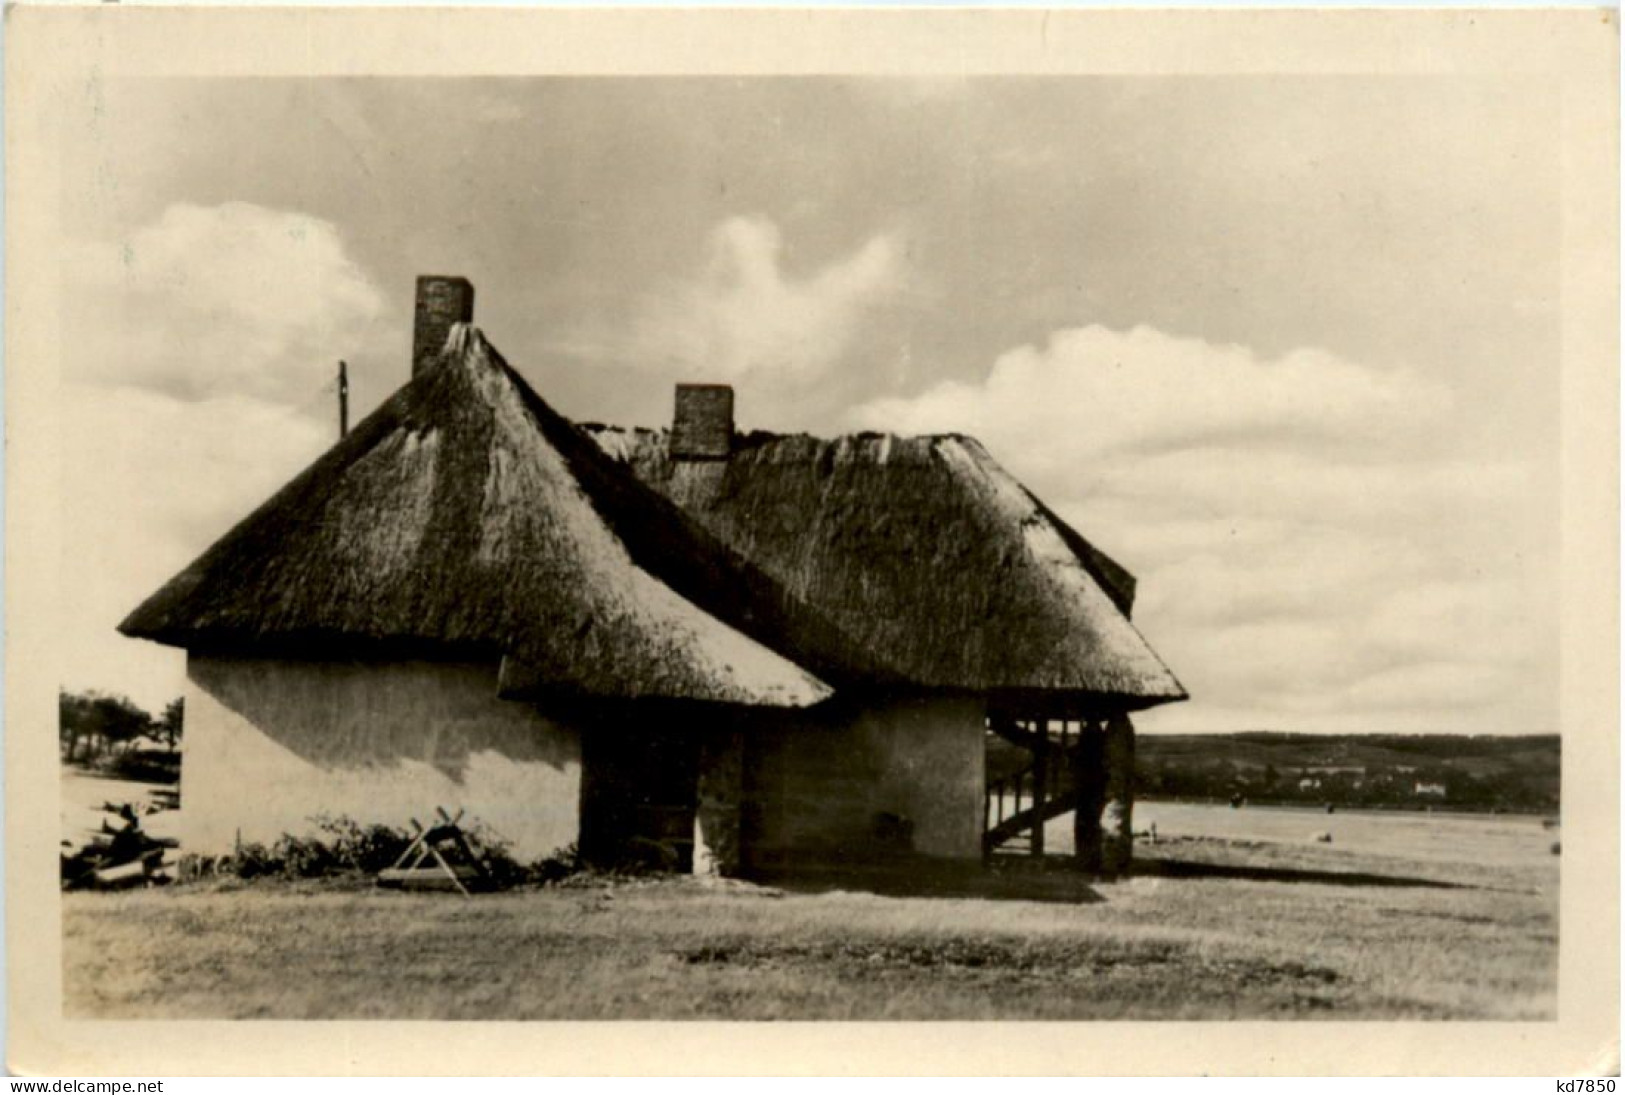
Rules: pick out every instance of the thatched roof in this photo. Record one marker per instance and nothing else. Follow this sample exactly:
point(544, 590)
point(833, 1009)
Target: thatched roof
point(464, 516)
point(924, 550)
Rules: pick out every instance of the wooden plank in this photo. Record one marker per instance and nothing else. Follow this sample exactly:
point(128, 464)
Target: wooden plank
point(1040, 771)
point(449, 871)
point(128, 872)
point(404, 875)
point(428, 881)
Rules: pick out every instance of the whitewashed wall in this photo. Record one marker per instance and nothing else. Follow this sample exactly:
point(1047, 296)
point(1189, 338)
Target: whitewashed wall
point(271, 744)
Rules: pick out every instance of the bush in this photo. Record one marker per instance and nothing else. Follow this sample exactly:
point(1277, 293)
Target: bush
point(502, 871)
point(251, 860)
point(144, 765)
point(556, 867)
point(343, 846)
point(299, 857)
point(365, 848)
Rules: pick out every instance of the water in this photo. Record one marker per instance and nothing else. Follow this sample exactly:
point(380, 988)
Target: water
point(1439, 837)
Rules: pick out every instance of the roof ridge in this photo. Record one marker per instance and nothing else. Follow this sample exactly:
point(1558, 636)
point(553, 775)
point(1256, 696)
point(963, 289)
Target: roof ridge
point(595, 426)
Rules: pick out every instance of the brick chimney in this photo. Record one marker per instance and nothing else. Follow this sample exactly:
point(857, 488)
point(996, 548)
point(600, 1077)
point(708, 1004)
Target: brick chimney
point(441, 302)
point(703, 427)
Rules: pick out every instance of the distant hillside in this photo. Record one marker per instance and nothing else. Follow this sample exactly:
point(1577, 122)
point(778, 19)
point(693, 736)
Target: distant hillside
point(1410, 771)
point(1479, 772)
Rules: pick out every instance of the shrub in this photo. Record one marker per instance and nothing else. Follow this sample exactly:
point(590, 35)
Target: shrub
point(346, 847)
point(563, 863)
point(145, 765)
point(342, 847)
point(365, 848)
point(251, 860)
point(300, 857)
point(502, 871)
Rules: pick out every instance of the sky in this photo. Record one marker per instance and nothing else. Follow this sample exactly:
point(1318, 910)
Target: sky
point(1285, 347)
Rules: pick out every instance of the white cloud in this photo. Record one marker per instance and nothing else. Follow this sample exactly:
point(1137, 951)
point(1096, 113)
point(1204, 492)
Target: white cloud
point(745, 317)
point(209, 301)
point(198, 375)
point(1317, 547)
point(1172, 394)
point(149, 483)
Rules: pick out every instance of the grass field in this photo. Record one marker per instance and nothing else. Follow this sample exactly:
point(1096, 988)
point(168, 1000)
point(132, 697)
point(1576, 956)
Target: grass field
point(1207, 928)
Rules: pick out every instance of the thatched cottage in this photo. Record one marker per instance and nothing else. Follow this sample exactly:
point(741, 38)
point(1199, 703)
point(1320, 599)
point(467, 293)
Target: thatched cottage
point(732, 650)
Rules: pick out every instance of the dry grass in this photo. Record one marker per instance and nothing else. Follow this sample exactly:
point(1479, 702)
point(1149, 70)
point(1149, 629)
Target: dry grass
point(1227, 930)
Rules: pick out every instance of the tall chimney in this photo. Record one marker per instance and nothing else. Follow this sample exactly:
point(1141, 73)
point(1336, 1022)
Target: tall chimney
point(703, 427)
point(441, 302)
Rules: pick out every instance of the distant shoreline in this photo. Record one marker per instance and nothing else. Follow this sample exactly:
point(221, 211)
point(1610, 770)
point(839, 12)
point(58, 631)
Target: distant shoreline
point(1374, 808)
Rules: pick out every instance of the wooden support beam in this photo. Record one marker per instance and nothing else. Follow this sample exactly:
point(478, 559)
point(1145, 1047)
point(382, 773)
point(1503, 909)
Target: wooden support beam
point(1089, 787)
point(1040, 787)
point(1117, 820)
point(1015, 732)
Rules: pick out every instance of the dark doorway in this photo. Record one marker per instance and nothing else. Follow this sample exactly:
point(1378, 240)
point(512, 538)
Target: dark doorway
point(638, 796)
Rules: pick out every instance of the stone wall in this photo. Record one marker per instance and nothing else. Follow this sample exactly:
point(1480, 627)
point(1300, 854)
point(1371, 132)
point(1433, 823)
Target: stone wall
point(270, 744)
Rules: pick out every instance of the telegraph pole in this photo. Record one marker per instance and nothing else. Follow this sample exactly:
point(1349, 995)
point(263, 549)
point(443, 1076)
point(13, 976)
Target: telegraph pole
point(344, 402)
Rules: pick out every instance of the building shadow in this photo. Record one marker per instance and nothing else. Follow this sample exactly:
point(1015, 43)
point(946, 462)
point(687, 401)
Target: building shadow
point(1186, 868)
point(933, 878)
point(1049, 879)
point(351, 715)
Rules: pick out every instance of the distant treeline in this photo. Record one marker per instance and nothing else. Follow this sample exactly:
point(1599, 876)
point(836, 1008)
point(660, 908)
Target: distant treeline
point(1447, 771)
point(115, 734)
point(1478, 772)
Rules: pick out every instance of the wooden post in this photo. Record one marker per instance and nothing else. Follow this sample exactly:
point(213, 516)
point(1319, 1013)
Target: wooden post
point(1089, 785)
point(344, 402)
point(1117, 821)
point(1040, 785)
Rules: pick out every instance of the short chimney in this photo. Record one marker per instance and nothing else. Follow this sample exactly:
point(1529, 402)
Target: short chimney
point(441, 302)
point(703, 427)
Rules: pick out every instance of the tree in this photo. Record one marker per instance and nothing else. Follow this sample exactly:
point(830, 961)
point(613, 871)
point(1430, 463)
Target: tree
point(71, 725)
point(98, 720)
point(171, 722)
point(120, 721)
